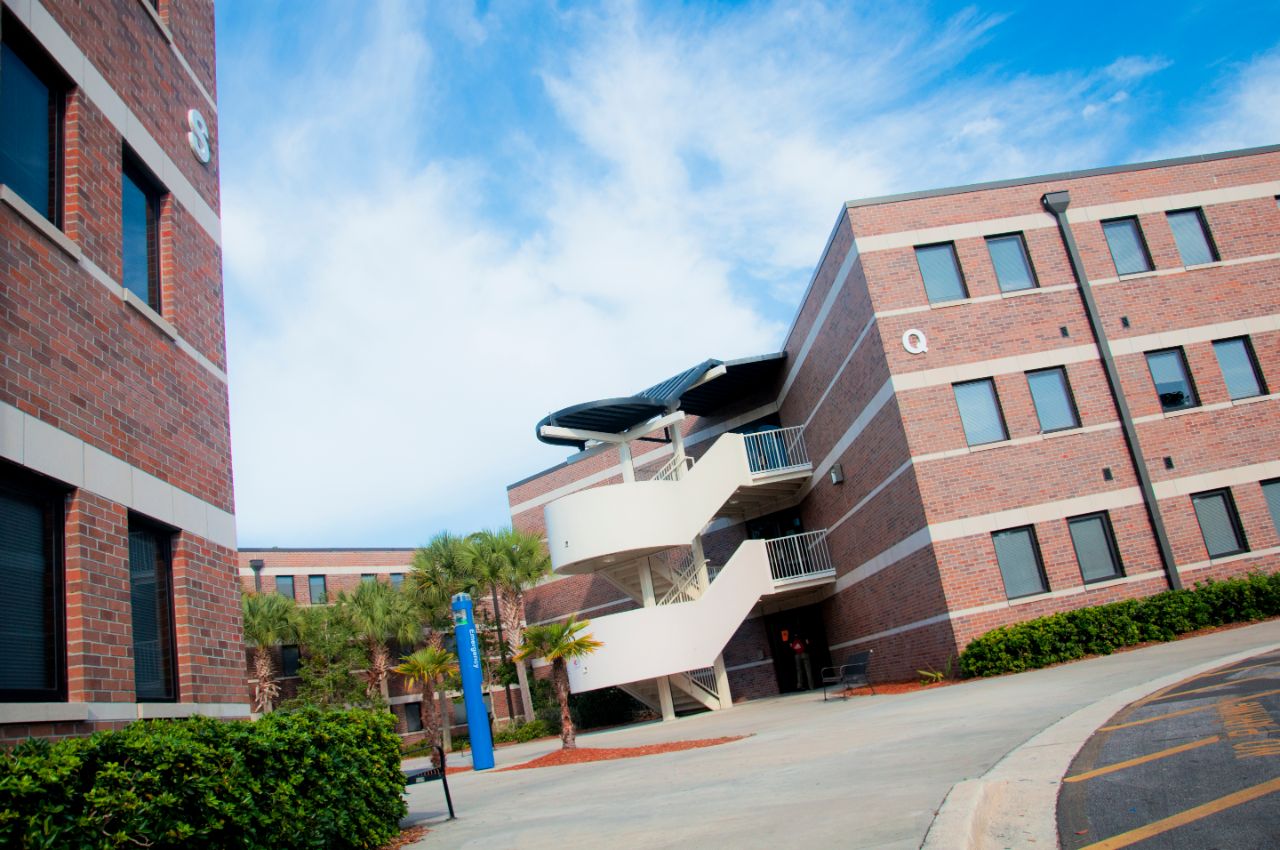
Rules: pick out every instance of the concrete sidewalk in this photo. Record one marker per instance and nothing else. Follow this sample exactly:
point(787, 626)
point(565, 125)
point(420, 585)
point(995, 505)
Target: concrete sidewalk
point(868, 772)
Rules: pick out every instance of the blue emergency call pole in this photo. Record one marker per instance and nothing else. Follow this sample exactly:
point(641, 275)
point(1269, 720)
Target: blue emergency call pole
point(464, 630)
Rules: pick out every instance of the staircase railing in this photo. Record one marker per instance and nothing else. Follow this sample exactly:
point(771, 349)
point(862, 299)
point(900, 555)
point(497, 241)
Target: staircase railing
point(704, 678)
point(799, 556)
point(684, 581)
point(776, 450)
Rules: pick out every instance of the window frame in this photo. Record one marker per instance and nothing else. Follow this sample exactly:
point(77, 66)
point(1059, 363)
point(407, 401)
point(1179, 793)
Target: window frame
point(134, 171)
point(1071, 399)
point(324, 590)
point(1233, 516)
point(1035, 551)
point(18, 483)
point(164, 538)
point(1026, 256)
point(1214, 255)
point(1252, 358)
point(995, 395)
point(1142, 245)
point(1186, 374)
point(31, 53)
point(955, 258)
point(1109, 535)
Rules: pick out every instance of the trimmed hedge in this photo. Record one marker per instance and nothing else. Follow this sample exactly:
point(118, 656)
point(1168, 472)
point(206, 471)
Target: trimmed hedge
point(308, 779)
point(1102, 629)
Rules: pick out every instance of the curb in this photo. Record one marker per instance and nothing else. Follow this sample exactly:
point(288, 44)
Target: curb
point(1015, 803)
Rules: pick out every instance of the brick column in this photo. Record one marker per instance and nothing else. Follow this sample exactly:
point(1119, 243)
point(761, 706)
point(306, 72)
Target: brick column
point(99, 624)
point(207, 625)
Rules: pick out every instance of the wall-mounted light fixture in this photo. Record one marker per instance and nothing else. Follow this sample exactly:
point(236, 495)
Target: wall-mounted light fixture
point(837, 474)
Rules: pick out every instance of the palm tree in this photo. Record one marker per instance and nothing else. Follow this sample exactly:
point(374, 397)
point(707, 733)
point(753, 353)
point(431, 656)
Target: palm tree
point(379, 614)
point(439, 571)
point(268, 622)
point(429, 666)
point(559, 643)
point(484, 553)
point(525, 563)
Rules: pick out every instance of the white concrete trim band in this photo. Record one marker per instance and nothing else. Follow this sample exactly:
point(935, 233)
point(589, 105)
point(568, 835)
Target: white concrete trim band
point(82, 72)
point(399, 569)
point(27, 441)
point(91, 712)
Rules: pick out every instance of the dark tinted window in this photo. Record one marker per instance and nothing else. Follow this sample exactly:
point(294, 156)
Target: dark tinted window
point(1019, 557)
point(1128, 250)
point(290, 659)
point(1192, 235)
point(151, 597)
point(941, 273)
point(1239, 367)
point(980, 412)
point(1013, 266)
point(1171, 379)
point(317, 588)
point(1052, 397)
point(413, 717)
point(1219, 523)
point(284, 586)
point(397, 580)
point(1095, 547)
point(30, 123)
point(140, 248)
point(31, 665)
point(368, 577)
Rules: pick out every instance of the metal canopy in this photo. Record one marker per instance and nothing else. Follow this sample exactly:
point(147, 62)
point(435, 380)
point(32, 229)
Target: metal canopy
point(740, 378)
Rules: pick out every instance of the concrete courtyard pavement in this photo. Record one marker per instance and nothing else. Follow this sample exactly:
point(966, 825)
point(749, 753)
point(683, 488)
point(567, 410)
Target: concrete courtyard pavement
point(869, 772)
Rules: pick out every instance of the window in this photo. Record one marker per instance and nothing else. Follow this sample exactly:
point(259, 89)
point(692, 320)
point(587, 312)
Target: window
point(1095, 546)
point(941, 273)
point(318, 594)
point(1051, 395)
point(1019, 557)
point(1271, 493)
point(1219, 523)
point(397, 580)
point(1012, 264)
point(151, 596)
point(284, 586)
point(32, 666)
point(1239, 367)
point(980, 412)
point(1172, 381)
point(368, 577)
point(32, 99)
point(140, 229)
point(1128, 250)
point(1191, 232)
point(290, 660)
point(413, 717)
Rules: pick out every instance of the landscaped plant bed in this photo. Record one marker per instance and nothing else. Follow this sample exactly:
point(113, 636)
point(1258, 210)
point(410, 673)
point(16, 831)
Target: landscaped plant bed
point(407, 836)
point(890, 688)
point(581, 755)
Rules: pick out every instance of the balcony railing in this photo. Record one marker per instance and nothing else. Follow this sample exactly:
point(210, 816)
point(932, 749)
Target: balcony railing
point(799, 556)
point(776, 450)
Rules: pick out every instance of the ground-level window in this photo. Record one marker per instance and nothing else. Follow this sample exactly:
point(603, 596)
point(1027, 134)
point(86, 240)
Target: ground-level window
point(290, 660)
point(1095, 546)
point(151, 597)
point(319, 595)
point(284, 586)
point(1018, 555)
point(413, 717)
point(1219, 523)
point(368, 577)
point(32, 665)
point(397, 580)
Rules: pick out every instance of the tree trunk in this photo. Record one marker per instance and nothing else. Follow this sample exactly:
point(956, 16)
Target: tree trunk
point(379, 662)
point(266, 691)
point(513, 609)
point(560, 675)
point(502, 652)
point(445, 707)
point(526, 697)
point(427, 709)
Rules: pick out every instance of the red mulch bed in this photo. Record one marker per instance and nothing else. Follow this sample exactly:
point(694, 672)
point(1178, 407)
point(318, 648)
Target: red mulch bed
point(580, 755)
point(406, 837)
point(898, 688)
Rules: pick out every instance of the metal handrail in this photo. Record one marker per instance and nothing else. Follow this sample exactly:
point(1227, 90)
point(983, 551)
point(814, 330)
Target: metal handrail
point(684, 581)
point(799, 556)
point(776, 450)
point(705, 678)
point(670, 471)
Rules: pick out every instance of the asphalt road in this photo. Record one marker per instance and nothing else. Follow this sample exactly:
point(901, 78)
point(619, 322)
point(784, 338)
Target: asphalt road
point(1195, 765)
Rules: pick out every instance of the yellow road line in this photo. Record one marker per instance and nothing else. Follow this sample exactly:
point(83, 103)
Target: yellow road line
point(1212, 807)
point(1121, 765)
point(1210, 687)
point(1181, 712)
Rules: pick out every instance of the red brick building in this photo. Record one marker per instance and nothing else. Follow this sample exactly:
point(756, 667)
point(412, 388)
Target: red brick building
point(995, 402)
point(117, 527)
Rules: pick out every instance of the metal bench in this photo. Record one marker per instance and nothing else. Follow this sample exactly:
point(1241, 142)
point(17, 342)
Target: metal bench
point(431, 774)
point(851, 674)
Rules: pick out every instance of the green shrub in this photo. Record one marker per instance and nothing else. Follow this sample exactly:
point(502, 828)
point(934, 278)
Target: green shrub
point(311, 779)
point(523, 732)
point(1103, 629)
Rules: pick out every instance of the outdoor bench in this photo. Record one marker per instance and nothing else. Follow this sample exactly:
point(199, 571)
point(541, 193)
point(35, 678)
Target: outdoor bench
point(431, 774)
point(851, 674)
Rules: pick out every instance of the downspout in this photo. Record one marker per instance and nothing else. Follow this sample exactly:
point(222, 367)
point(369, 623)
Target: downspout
point(1056, 204)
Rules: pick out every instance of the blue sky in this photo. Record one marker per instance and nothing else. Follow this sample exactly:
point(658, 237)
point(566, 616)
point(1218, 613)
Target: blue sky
point(442, 221)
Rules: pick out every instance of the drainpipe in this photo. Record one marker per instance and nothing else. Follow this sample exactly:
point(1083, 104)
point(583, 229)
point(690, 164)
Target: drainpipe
point(1056, 204)
point(256, 566)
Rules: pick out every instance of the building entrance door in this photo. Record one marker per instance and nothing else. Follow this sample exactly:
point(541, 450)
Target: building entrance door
point(784, 628)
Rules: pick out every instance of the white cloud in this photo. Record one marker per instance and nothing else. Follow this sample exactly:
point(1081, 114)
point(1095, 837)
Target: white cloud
point(1243, 112)
point(1128, 68)
point(394, 339)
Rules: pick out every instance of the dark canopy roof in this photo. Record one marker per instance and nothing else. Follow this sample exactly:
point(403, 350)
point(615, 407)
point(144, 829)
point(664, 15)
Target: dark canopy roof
point(615, 415)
